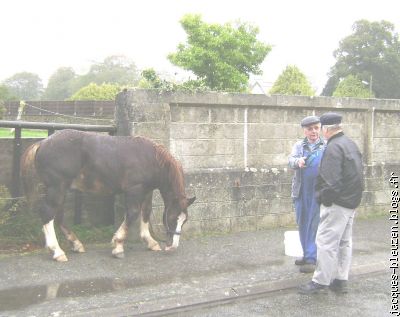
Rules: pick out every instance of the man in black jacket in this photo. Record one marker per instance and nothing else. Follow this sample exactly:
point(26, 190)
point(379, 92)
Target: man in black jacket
point(339, 189)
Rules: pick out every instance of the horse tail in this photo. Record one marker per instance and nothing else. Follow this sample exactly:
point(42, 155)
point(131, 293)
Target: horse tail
point(29, 176)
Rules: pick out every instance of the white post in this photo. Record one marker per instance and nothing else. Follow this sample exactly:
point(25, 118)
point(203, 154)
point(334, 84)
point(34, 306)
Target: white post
point(21, 109)
point(245, 137)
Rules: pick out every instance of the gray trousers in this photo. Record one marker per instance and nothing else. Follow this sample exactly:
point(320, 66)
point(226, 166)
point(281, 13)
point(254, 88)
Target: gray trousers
point(334, 244)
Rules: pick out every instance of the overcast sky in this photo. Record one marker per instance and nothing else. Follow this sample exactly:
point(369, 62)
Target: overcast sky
point(42, 35)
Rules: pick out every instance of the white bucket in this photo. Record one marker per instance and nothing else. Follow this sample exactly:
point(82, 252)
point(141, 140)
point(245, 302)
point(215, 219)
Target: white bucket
point(293, 244)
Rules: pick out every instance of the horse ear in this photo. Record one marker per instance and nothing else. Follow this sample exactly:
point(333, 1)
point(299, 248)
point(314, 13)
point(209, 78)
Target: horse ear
point(191, 200)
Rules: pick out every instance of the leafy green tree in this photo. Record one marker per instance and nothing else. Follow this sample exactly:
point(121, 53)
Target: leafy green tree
point(5, 94)
point(330, 86)
point(151, 80)
point(97, 92)
point(2, 109)
point(371, 53)
point(116, 69)
point(292, 82)
point(60, 84)
point(351, 86)
point(222, 56)
point(24, 86)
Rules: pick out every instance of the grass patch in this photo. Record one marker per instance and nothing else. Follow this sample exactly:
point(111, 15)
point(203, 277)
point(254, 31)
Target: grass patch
point(22, 232)
point(91, 234)
point(26, 133)
point(21, 228)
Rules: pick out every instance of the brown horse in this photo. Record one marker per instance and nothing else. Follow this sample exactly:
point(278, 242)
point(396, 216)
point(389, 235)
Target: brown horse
point(91, 162)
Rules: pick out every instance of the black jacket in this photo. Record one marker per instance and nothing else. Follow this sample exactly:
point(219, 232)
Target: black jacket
point(340, 178)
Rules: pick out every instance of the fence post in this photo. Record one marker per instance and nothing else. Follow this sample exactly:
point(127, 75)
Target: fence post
point(121, 115)
point(15, 191)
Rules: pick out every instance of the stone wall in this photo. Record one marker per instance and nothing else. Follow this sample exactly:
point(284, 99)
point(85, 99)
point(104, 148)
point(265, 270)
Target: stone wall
point(234, 150)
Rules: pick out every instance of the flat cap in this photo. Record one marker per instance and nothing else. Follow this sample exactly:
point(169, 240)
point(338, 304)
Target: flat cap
point(309, 120)
point(330, 118)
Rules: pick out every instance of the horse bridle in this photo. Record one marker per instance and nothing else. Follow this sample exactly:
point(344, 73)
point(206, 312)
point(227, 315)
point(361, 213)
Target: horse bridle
point(167, 227)
point(166, 222)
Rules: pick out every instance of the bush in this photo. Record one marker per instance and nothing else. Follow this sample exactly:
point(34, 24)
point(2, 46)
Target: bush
point(2, 109)
point(97, 92)
point(19, 228)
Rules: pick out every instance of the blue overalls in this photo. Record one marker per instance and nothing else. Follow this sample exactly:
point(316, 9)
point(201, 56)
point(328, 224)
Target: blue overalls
point(306, 206)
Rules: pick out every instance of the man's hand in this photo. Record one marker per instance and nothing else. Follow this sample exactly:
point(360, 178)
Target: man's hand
point(302, 162)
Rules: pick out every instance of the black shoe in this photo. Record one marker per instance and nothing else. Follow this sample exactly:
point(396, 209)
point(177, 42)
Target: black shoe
point(339, 286)
point(301, 261)
point(307, 268)
point(312, 288)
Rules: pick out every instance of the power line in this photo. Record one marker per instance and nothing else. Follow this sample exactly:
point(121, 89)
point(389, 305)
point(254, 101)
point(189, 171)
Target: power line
point(67, 116)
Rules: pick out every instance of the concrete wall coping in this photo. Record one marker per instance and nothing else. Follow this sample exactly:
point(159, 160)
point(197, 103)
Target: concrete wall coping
point(259, 100)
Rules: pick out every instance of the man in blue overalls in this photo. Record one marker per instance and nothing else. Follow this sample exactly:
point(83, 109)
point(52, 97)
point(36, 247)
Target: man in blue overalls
point(304, 159)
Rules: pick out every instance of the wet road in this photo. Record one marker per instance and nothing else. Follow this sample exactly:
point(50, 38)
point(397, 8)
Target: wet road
point(202, 269)
point(368, 296)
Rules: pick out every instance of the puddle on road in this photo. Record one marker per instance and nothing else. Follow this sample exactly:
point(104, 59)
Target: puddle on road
point(19, 298)
point(22, 297)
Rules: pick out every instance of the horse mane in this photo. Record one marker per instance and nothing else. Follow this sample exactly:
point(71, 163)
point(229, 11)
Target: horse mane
point(175, 172)
point(174, 169)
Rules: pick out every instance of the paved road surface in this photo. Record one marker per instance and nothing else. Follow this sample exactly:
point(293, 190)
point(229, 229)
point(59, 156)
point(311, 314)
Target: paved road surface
point(202, 269)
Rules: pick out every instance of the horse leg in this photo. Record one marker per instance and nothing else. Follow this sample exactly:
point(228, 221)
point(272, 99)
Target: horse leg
point(132, 212)
point(118, 240)
point(47, 213)
point(145, 222)
point(77, 245)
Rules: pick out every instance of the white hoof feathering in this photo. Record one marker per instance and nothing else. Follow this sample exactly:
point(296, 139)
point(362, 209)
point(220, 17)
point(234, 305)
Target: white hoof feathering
point(78, 247)
point(155, 247)
point(147, 238)
point(52, 243)
point(61, 258)
point(119, 248)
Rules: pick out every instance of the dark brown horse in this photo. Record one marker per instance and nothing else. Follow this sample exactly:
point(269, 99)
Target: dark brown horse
point(91, 162)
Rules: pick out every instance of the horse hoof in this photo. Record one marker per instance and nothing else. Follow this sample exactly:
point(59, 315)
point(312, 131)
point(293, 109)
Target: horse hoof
point(119, 255)
point(170, 248)
point(155, 247)
point(61, 258)
point(79, 249)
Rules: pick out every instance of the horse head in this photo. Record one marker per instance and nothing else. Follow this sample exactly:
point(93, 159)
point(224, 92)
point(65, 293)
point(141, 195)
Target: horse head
point(174, 217)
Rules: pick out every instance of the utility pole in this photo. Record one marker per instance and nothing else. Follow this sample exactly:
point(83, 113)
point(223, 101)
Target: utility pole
point(370, 86)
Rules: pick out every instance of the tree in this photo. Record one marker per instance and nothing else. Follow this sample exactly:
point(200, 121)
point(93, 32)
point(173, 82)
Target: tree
point(292, 82)
point(351, 86)
point(151, 80)
point(60, 85)
point(223, 56)
point(5, 94)
point(97, 92)
point(116, 69)
point(2, 109)
point(330, 86)
point(25, 86)
point(371, 53)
